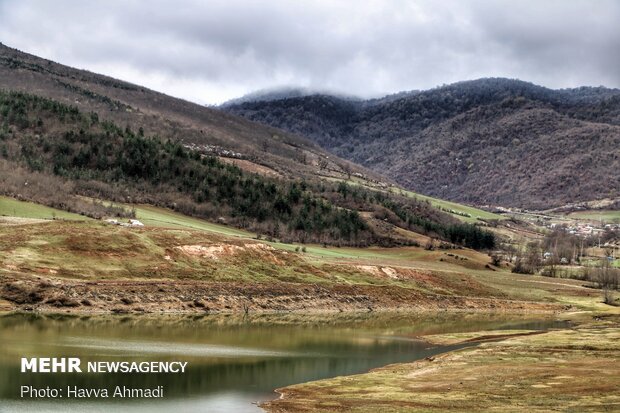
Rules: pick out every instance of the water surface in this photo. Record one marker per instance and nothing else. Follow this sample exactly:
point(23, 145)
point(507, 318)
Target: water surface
point(233, 361)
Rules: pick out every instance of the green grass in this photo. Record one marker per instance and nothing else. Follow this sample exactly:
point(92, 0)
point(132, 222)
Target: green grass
point(605, 216)
point(334, 252)
point(14, 208)
point(474, 214)
point(165, 218)
point(156, 217)
point(153, 216)
point(94, 250)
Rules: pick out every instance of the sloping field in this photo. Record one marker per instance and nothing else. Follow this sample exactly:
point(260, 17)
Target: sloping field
point(165, 218)
point(600, 216)
point(14, 208)
point(464, 212)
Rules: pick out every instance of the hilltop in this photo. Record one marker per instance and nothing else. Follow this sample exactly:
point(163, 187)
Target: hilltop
point(279, 93)
point(489, 141)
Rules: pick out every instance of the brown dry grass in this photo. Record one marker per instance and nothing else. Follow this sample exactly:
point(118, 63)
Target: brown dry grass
point(251, 167)
point(568, 370)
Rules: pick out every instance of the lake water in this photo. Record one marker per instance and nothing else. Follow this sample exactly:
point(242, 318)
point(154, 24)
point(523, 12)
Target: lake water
point(233, 361)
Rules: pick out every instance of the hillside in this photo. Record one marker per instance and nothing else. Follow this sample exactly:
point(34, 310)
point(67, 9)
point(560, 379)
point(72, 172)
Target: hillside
point(490, 141)
point(57, 155)
point(176, 263)
point(72, 139)
point(208, 130)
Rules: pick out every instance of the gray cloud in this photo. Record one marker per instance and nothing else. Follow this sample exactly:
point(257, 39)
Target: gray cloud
point(210, 51)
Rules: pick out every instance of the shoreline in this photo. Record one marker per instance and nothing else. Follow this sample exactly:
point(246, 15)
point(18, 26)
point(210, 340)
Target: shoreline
point(457, 379)
point(46, 295)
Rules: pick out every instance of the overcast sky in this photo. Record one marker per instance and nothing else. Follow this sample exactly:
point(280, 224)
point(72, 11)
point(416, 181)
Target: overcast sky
point(213, 50)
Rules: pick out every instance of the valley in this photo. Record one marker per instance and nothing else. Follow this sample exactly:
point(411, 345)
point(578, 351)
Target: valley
point(182, 265)
point(476, 246)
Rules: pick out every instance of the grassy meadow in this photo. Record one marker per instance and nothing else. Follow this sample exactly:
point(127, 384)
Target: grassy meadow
point(604, 216)
point(11, 207)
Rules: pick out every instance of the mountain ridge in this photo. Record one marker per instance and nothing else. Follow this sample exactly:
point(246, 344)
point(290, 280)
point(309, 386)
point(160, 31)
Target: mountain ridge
point(369, 132)
point(279, 93)
point(158, 114)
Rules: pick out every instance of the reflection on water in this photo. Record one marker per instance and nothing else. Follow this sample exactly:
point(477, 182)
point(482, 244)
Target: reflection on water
point(234, 361)
point(135, 347)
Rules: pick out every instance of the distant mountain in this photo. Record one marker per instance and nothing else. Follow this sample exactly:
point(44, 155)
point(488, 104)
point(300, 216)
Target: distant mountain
point(487, 141)
point(266, 95)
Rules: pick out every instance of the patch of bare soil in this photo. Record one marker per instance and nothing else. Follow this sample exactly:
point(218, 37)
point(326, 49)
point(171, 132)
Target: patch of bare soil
point(10, 221)
point(397, 273)
point(49, 294)
point(252, 167)
point(221, 251)
point(435, 282)
point(214, 252)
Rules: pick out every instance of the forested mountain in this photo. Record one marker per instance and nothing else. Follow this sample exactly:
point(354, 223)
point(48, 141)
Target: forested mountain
point(490, 141)
point(77, 140)
point(271, 94)
point(54, 154)
point(191, 124)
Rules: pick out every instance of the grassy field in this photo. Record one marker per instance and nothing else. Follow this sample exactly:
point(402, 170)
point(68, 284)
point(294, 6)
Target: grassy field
point(99, 251)
point(165, 218)
point(463, 212)
point(474, 214)
point(416, 257)
point(14, 208)
point(604, 216)
point(115, 252)
point(173, 229)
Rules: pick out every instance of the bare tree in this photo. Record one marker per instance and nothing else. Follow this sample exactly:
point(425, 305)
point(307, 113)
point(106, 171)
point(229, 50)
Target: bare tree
point(607, 279)
point(347, 170)
point(323, 163)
